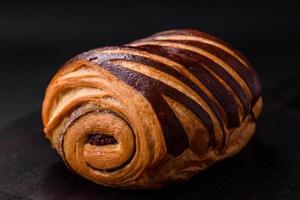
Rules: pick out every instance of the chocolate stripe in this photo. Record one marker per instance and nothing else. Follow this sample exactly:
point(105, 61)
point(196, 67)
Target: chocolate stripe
point(206, 58)
point(214, 86)
point(193, 63)
point(217, 89)
point(200, 34)
point(166, 69)
point(246, 73)
point(175, 136)
point(217, 69)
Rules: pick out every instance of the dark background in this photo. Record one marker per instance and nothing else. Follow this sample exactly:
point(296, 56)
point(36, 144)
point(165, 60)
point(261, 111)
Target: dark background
point(36, 38)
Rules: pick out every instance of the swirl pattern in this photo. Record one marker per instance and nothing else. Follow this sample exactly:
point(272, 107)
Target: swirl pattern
point(155, 110)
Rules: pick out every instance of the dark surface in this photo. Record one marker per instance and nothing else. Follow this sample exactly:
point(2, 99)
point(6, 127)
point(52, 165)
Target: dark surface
point(268, 168)
point(37, 38)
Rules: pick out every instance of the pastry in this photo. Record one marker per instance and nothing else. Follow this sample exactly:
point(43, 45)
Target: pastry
point(153, 111)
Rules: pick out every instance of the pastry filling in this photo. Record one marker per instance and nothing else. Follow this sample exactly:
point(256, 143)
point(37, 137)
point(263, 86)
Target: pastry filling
point(101, 139)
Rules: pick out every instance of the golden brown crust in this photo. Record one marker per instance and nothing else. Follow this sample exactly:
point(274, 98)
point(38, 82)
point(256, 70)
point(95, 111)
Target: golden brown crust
point(156, 110)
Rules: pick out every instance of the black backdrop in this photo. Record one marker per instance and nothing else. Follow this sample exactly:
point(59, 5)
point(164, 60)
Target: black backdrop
point(36, 38)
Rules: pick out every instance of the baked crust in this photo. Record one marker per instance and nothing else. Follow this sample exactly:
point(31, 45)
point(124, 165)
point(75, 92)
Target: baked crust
point(156, 110)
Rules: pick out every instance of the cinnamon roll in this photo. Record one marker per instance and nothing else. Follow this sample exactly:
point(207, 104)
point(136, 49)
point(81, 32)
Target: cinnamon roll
point(153, 111)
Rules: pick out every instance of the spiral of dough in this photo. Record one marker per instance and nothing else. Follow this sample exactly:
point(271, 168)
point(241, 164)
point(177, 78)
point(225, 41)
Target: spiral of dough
point(99, 132)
